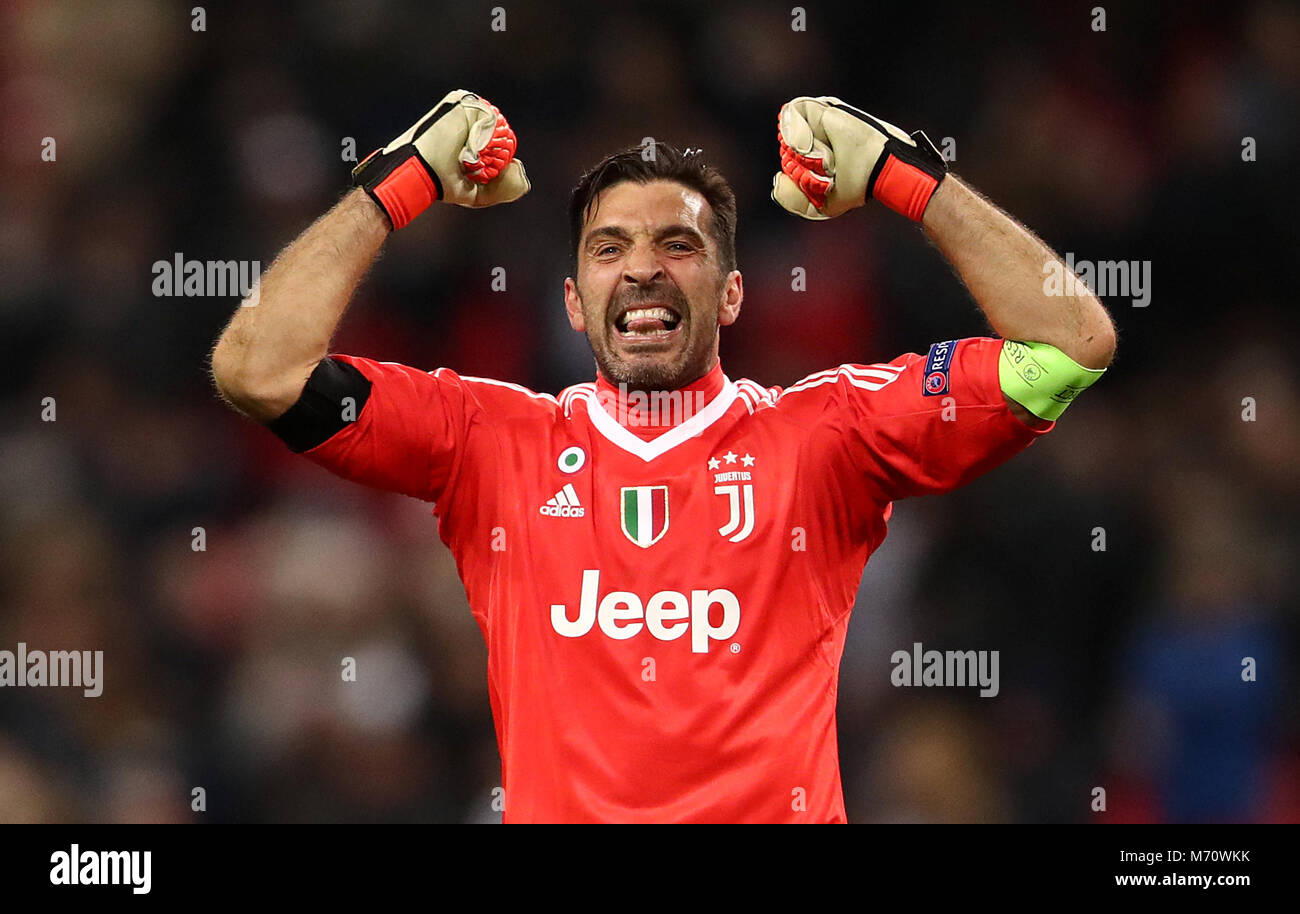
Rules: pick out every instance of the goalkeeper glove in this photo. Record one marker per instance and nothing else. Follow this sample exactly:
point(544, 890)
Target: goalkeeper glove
point(834, 157)
point(461, 152)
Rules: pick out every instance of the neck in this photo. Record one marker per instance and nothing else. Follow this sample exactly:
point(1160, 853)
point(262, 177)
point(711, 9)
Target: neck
point(649, 414)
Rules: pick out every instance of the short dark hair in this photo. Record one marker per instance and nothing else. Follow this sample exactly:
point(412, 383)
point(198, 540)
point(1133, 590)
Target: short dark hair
point(660, 162)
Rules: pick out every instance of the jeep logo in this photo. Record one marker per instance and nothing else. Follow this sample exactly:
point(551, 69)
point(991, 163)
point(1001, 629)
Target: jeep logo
point(667, 615)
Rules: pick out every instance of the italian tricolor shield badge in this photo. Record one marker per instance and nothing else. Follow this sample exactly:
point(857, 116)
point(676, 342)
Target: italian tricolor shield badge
point(645, 514)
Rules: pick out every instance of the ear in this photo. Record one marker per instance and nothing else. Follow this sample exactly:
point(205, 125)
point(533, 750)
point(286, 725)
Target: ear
point(732, 295)
point(573, 305)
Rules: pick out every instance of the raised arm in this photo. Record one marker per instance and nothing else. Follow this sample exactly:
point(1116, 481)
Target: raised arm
point(277, 337)
point(835, 157)
point(1002, 264)
point(462, 152)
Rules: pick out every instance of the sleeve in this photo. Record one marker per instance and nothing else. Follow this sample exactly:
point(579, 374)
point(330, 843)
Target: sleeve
point(922, 425)
point(381, 424)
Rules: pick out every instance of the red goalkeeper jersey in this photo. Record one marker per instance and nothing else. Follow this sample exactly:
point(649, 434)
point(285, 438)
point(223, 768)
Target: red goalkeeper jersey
point(664, 584)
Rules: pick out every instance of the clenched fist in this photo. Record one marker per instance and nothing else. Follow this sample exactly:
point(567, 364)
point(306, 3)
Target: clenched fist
point(834, 157)
point(462, 152)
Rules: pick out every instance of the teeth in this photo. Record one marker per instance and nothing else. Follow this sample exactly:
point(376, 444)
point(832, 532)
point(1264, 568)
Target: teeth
point(662, 314)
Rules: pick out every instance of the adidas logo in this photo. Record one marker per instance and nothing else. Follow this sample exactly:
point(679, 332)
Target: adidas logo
point(563, 503)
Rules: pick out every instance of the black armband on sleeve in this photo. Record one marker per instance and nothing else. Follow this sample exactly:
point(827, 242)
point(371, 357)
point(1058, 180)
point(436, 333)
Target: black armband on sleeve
point(318, 415)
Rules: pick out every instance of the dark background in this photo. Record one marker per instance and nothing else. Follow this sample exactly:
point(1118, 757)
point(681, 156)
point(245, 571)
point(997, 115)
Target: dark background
point(1119, 669)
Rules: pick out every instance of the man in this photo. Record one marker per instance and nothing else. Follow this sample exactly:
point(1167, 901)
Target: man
point(662, 561)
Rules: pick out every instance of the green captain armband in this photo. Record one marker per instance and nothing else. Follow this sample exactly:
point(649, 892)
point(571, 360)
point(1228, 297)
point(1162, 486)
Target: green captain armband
point(1042, 378)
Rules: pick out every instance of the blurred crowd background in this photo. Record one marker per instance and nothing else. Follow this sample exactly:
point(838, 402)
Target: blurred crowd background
point(1119, 669)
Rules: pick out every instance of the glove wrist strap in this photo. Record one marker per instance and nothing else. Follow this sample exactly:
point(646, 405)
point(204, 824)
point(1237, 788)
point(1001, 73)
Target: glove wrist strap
point(906, 176)
point(399, 182)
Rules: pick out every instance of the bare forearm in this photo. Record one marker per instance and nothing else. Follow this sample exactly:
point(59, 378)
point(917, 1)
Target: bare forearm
point(273, 343)
point(1002, 264)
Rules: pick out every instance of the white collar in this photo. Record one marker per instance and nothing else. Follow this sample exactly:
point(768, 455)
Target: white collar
point(693, 427)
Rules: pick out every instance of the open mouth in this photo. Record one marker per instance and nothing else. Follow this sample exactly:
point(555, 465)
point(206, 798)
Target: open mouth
point(647, 322)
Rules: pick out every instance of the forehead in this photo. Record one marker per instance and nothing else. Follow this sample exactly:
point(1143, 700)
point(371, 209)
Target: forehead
point(633, 206)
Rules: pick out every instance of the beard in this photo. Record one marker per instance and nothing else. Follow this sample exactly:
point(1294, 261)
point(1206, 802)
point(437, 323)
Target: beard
point(687, 361)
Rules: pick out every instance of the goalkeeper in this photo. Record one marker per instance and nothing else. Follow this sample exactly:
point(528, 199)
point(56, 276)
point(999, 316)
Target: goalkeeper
point(658, 648)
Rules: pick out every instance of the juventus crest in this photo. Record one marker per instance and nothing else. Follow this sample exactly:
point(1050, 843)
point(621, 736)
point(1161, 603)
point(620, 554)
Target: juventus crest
point(737, 487)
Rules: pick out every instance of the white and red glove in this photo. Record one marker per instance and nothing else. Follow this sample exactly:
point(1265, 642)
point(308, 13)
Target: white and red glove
point(835, 157)
point(462, 152)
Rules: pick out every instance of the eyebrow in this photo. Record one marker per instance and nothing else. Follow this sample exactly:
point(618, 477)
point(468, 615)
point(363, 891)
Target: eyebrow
point(619, 233)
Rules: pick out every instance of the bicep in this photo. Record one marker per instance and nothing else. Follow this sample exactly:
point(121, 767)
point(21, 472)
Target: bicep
point(384, 425)
point(940, 422)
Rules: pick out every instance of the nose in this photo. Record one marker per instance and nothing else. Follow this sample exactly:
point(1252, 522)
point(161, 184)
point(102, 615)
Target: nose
point(642, 266)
